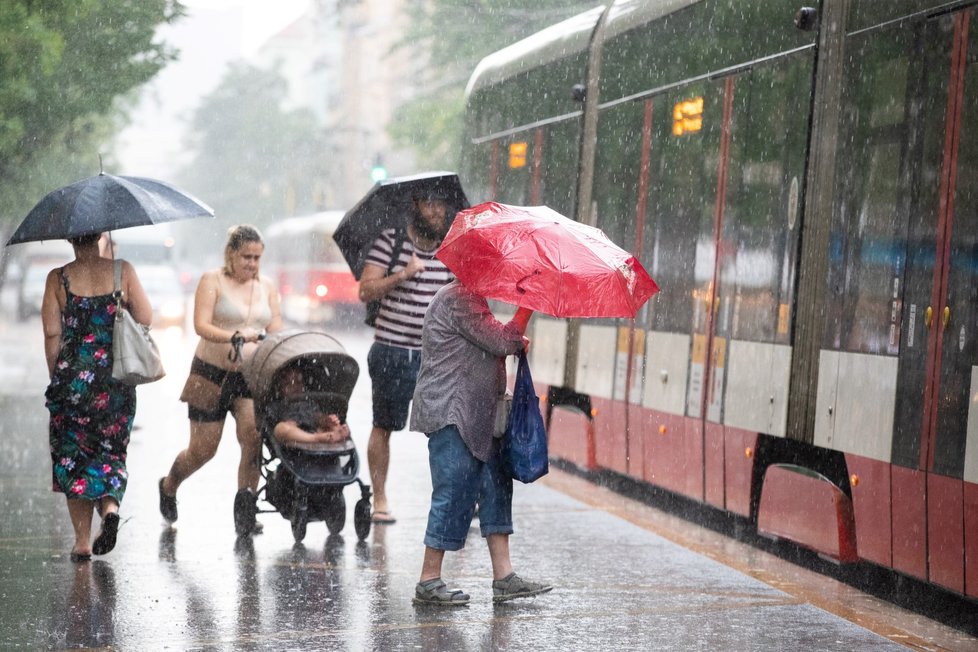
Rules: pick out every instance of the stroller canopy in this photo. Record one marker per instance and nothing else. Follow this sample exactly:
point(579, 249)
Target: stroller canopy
point(316, 350)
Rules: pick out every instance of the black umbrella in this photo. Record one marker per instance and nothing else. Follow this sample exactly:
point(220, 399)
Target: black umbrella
point(106, 203)
point(387, 205)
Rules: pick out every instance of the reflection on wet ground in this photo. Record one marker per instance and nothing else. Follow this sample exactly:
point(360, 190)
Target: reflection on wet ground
point(621, 580)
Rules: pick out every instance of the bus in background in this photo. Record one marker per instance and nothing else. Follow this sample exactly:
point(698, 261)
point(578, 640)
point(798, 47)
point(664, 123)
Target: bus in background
point(313, 278)
point(145, 245)
point(167, 276)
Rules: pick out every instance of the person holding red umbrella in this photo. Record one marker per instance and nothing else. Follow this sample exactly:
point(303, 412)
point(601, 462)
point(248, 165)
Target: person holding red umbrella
point(462, 375)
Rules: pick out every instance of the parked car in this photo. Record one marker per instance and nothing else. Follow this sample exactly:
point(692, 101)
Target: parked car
point(166, 294)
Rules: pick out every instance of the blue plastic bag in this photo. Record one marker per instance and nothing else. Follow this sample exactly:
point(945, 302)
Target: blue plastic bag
point(524, 453)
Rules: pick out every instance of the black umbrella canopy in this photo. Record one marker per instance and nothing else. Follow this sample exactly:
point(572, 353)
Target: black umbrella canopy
point(105, 203)
point(387, 205)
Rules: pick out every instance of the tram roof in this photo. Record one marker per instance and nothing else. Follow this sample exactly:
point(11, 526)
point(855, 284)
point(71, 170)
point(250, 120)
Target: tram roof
point(629, 14)
point(555, 42)
point(568, 37)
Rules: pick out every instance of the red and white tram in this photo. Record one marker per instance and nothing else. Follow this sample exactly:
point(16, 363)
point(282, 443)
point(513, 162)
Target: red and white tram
point(802, 182)
point(312, 276)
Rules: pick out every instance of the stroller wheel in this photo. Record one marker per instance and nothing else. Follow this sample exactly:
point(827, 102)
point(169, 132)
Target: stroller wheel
point(361, 518)
point(299, 521)
point(336, 514)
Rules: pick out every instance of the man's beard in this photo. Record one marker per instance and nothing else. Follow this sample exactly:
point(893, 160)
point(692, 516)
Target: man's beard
point(429, 231)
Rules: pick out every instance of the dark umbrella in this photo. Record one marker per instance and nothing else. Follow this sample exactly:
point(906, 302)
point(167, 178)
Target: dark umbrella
point(387, 205)
point(106, 203)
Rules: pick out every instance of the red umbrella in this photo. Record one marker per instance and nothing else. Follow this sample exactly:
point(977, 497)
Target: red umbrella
point(534, 257)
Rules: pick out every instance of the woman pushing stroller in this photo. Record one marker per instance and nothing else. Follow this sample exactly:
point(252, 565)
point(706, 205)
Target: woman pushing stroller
point(233, 307)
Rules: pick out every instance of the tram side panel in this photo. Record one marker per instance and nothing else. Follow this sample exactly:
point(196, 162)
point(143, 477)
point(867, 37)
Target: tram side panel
point(714, 213)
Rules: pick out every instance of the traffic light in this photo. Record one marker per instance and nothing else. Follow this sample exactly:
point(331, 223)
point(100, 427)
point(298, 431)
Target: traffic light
point(378, 172)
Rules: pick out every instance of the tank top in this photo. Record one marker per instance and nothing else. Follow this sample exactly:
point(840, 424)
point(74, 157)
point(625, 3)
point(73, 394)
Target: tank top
point(233, 315)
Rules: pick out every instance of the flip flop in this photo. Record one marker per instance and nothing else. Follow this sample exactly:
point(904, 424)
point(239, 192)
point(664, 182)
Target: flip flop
point(78, 557)
point(383, 518)
point(105, 541)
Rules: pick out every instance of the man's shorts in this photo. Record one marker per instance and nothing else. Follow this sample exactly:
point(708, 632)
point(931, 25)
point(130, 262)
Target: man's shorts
point(458, 481)
point(210, 391)
point(393, 374)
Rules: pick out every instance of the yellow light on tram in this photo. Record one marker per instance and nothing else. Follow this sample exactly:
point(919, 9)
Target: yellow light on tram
point(321, 290)
point(517, 155)
point(687, 116)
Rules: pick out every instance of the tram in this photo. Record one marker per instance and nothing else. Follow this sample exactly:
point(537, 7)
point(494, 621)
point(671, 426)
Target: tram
point(802, 182)
point(313, 278)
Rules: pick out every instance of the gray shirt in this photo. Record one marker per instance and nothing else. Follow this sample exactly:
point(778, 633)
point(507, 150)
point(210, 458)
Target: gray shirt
point(463, 370)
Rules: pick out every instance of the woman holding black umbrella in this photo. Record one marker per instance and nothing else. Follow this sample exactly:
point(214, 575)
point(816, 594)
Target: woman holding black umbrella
point(91, 412)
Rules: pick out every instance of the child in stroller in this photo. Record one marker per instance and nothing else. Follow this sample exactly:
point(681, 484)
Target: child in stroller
point(300, 423)
point(301, 382)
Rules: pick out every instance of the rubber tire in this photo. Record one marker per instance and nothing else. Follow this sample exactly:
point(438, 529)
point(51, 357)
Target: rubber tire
point(336, 514)
point(361, 518)
point(299, 522)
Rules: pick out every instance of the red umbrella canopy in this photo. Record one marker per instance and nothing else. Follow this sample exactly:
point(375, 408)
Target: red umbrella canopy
point(534, 257)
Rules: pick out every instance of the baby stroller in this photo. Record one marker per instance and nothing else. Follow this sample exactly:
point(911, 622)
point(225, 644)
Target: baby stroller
point(306, 483)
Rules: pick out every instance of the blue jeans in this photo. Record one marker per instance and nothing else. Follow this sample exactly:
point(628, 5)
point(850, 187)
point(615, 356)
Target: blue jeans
point(458, 481)
point(393, 374)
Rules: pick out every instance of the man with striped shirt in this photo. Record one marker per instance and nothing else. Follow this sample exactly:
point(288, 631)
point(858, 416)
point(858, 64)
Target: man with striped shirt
point(395, 356)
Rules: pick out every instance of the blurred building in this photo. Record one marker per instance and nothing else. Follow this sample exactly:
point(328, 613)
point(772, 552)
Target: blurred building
point(347, 60)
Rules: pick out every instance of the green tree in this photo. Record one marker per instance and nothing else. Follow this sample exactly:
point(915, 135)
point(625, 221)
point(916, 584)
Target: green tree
point(63, 66)
point(254, 161)
point(458, 34)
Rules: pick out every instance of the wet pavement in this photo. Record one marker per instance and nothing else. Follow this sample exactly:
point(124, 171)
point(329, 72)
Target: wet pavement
point(626, 577)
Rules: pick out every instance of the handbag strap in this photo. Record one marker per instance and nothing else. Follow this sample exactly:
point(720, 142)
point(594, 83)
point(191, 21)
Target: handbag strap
point(117, 291)
point(523, 369)
point(400, 235)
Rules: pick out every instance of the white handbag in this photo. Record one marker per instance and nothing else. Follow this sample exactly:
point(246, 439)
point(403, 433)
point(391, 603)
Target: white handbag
point(135, 356)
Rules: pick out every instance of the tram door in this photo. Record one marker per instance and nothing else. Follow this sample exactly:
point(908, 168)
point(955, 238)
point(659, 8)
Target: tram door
point(938, 345)
point(955, 308)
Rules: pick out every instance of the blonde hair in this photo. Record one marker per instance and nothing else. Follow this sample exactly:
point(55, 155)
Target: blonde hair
point(239, 236)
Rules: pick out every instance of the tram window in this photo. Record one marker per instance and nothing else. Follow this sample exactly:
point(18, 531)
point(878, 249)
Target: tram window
point(760, 230)
point(884, 180)
point(325, 250)
point(680, 217)
point(560, 157)
point(478, 167)
point(616, 172)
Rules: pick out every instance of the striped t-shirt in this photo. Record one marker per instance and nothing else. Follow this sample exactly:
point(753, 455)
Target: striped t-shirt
point(402, 309)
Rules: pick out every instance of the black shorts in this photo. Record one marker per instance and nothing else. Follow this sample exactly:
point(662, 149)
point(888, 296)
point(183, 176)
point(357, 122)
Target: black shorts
point(232, 387)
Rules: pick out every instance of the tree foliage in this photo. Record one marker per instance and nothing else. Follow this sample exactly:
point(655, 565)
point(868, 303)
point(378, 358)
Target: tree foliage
point(458, 34)
point(253, 161)
point(63, 65)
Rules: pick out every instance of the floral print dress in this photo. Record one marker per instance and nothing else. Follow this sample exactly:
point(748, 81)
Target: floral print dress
point(91, 412)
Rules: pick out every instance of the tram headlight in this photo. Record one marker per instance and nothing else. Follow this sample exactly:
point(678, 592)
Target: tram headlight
point(321, 290)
